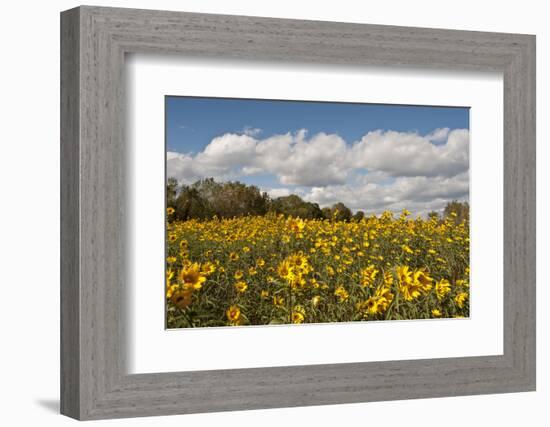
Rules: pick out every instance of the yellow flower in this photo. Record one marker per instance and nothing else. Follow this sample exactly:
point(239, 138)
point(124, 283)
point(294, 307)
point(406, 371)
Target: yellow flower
point(462, 283)
point(315, 300)
point(170, 210)
point(404, 275)
point(442, 288)
point(260, 262)
point(278, 301)
point(407, 286)
point(436, 312)
point(208, 268)
point(298, 314)
point(246, 249)
point(241, 286)
point(388, 279)
point(264, 294)
point(252, 271)
point(341, 293)
point(407, 249)
point(238, 274)
point(191, 276)
point(170, 289)
point(376, 304)
point(296, 225)
point(368, 276)
point(233, 314)
point(385, 295)
point(284, 269)
point(423, 280)
point(300, 261)
point(372, 305)
point(293, 269)
point(171, 259)
point(233, 256)
point(182, 299)
point(461, 298)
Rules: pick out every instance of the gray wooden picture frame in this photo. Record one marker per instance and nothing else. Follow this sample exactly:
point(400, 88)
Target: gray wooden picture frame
point(94, 41)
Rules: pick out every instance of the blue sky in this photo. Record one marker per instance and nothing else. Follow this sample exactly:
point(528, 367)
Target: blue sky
point(323, 151)
point(191, 123)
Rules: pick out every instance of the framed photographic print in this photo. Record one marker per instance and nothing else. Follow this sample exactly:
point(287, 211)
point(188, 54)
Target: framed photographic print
point(304, 212)
point(284, 221)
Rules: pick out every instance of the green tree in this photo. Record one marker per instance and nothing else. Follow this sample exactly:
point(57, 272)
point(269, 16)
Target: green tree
point(327, 213)
point(294, 206)
point(171, 192)
point(231, 199)
point(340, 212)
point(433, 215)
point(458, 211)
point(206, 198)
point(358, 216)
point(189, 204)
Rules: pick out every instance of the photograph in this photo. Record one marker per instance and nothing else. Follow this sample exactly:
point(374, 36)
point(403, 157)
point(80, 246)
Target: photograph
point(295, 212)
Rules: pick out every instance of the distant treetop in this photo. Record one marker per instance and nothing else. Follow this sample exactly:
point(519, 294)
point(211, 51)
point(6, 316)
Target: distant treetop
point(207, 198)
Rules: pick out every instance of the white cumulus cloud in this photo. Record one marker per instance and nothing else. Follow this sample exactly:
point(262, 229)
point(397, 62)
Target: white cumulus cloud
point(418, 194)
point(410, 154)
point(382, 170)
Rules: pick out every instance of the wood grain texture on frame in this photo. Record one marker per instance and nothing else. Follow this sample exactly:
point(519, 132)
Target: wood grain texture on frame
point(94, 235)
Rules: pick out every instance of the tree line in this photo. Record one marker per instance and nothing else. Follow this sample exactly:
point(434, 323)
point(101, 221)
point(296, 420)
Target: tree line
point(207, 198)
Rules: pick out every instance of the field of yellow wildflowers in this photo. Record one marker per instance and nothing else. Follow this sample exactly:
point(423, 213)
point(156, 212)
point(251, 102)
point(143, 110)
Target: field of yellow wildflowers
point(272, 269)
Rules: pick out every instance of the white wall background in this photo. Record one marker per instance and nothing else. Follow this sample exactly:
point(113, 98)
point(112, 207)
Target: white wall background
point(29, 218)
